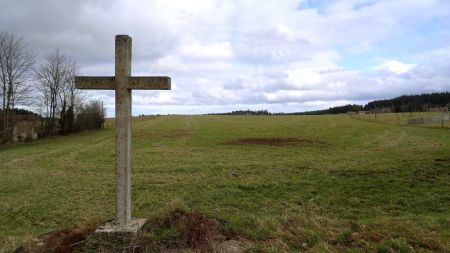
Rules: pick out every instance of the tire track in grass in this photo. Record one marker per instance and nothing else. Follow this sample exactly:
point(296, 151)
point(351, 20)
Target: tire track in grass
point(377, 139)
point(392, 142)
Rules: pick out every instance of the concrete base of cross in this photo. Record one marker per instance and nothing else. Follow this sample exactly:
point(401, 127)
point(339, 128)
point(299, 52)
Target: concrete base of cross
point(113, 228)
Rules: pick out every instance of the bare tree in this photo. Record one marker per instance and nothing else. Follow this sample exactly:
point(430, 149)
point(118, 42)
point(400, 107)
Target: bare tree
point(16, 63)
point(55, 85)
point(74, 96)
point(70, 98)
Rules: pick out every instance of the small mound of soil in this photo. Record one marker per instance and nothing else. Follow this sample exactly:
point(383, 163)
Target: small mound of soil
point(274, 142)
point(196, 230)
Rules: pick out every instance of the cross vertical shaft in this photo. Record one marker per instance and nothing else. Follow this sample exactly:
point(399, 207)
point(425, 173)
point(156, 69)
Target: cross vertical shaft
point(123, 130)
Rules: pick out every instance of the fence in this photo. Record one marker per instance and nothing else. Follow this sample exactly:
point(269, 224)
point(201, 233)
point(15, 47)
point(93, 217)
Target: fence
point(420, 119)
point(429, 120)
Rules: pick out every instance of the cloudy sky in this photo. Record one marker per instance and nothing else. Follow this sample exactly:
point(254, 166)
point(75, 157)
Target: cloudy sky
point(283, 55)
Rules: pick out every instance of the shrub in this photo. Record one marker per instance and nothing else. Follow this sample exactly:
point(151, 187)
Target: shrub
point(90, 116)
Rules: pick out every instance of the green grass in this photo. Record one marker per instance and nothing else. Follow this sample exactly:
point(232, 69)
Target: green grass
point(355, 186)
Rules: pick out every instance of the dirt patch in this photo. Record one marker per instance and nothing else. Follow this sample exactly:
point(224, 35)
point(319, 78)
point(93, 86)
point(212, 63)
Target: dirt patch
point(191, 230)
point(60, 241)
point(443, 161)
point(278, 142)
point(66, 240)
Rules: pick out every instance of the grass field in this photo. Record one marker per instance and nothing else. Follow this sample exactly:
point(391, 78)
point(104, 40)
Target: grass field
point(284, 183)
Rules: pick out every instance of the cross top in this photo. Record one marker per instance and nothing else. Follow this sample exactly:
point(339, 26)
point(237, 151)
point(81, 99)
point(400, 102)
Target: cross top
point(123, 78)
point(123, 83)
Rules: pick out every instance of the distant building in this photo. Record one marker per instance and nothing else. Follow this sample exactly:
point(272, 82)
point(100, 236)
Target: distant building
point(382, 110)
point(24, 127)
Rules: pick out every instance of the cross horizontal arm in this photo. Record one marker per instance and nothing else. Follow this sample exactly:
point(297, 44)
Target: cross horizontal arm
point(149, 83)
point(135, 83)
point(95, 82)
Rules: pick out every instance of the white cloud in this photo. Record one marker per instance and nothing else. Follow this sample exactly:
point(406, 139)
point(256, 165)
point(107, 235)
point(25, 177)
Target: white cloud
point(394, 66)
point(214, 51)
point(276, 55)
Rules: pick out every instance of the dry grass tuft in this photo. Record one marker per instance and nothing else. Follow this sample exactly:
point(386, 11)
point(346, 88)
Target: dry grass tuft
point(183, 229)
point(195, 229)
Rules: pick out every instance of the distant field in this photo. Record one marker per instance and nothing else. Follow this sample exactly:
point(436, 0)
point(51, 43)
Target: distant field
point(285, 183)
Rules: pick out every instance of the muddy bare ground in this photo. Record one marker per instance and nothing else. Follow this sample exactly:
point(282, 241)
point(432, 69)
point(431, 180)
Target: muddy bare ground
point(59, 241)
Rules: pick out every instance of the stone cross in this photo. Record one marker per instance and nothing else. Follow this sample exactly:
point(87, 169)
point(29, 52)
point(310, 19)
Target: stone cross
point(123, 83)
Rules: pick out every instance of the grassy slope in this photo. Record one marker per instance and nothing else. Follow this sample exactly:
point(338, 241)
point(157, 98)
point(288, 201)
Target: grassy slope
point(358, 172)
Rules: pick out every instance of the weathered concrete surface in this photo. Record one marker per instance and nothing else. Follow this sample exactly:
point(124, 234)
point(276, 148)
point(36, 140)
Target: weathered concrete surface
point(95, 82)
point(123, 83)
point(133, 227)
point(141, 83)
point(134, 82)
point(123, 130)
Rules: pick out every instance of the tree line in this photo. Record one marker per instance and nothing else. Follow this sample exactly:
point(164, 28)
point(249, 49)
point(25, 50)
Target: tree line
point(244, 112)
point(332, 110)
point(48, 87)
point(335, 110)
point(412, 103)
point(406, 103)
